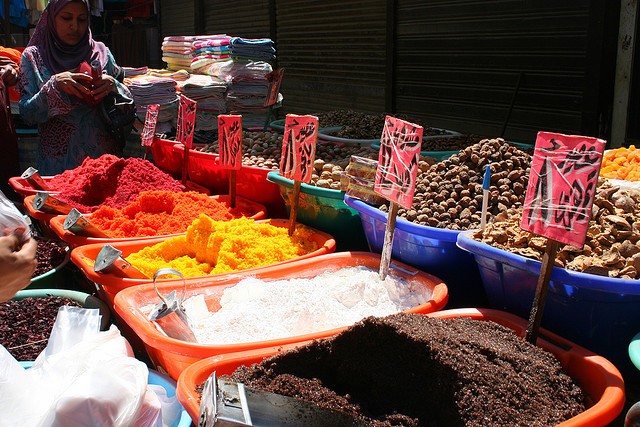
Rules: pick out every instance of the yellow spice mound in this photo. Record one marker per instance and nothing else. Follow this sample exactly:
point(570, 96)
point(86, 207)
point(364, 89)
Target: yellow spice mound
point(214, 247)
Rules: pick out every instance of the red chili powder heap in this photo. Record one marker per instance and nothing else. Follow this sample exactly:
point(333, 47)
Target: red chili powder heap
point(161, 212)
point(110, 181)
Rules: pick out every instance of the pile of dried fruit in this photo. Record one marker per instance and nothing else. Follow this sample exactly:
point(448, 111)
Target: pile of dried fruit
point(611, 246)
point(49, 254)
point(25, 325)
point(621, 163)
point(449, 195)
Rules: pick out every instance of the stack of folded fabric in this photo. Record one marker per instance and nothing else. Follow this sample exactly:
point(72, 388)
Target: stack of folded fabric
point(208, 50)
point(177, 52)
point(208, 92)
point(149, 89)
point(260, 49)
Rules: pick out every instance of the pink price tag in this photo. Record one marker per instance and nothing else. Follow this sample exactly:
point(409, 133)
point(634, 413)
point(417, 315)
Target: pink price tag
point(274, 79)
point(150, 121)
point(562, 185)
point(186, 121)
point(299, 147)
point(398, 161)
point(230, 141)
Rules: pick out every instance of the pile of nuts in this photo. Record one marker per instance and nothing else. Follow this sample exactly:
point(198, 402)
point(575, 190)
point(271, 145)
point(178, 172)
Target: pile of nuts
point(264, 150)
point(358, 125)
point(611, 247)
point(449, 194)
point(450, 143)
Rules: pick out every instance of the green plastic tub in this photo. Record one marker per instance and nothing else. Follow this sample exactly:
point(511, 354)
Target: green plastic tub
point(56, 277)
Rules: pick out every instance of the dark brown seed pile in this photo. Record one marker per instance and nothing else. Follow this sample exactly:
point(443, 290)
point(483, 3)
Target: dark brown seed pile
point(450, 143)
point(25, 325)
point(409, 369)
point(50, 254)
point(449, 193)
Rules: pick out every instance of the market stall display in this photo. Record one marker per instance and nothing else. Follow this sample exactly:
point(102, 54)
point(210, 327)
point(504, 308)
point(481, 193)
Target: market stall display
point(175, 355)
point(349, 363)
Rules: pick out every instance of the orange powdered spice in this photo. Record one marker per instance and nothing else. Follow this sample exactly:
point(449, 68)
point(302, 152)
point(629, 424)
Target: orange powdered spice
point(214, 247)
point(159, 212)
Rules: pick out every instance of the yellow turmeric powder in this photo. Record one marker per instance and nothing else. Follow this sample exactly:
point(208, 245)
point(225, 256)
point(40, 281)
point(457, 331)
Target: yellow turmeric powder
point(214, 247)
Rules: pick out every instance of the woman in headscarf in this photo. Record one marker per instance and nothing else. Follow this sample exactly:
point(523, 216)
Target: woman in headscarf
point(58, 92)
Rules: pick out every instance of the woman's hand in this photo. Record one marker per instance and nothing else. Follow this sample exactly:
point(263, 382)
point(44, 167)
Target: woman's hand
point(76, 84)
point(17, 264)
point(9, 75)
point(103, 86)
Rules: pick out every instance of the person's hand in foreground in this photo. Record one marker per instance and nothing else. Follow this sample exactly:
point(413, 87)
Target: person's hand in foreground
point(9, 74)
point(17, 264)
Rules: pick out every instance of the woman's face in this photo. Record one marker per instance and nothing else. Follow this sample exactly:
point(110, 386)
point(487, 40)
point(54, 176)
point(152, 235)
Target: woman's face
point(72, 22)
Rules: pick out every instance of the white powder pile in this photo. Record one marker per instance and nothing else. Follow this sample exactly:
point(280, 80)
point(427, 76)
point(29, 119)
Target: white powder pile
point(255, 310)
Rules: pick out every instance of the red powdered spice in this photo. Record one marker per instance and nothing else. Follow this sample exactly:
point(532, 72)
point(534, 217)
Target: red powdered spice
point(110, 181)
point(161, 212)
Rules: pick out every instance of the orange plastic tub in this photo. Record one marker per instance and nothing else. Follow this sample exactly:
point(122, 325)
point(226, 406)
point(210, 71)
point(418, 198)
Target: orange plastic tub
point(173, 356)
point(600, 380)
point(56, 223)
point(110, 284)
point(43, 219)
point(23, 188)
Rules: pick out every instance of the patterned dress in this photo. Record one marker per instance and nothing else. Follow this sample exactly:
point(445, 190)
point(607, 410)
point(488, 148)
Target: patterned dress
point(69, 128)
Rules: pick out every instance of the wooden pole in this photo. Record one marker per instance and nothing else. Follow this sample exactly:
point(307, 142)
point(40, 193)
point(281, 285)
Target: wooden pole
point(232, 188)
point(294, 206)
point(385, 259)
point(548, 260)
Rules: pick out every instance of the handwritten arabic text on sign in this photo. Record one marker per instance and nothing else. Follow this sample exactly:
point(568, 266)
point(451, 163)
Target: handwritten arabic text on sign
point(398, 161)
point(299, 147)
point(230, 141)
point(562, 186)
point(186, 121)
point(150, 121)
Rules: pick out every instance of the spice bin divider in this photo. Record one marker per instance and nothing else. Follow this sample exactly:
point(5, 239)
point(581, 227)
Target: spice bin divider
point(24, 188)
point(110, 284)
point(600, 380)
point(173, 356)
point(57, 224)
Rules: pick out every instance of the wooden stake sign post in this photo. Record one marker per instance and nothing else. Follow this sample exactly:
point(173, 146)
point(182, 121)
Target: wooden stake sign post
point(149, 129)
point(298, 155)
point(230, 143)
point(396, 175)
point(185, 127)
point(559, 198)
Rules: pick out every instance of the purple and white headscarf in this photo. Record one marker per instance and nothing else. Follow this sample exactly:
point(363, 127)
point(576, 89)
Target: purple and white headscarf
point(57, 56)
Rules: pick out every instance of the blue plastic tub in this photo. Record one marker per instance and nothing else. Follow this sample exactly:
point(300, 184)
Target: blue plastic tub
point(430, 249)
point(324, 209)
point(596, 312)
point(155, 378)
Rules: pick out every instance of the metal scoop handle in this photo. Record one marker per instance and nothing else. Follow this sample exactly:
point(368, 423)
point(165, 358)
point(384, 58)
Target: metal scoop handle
point(164, 272)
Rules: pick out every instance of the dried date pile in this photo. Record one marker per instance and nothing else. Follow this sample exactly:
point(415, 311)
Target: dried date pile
point(49, 254)
point(358, 125)
point(25, 325)
point(612, 244)
point(449, 194)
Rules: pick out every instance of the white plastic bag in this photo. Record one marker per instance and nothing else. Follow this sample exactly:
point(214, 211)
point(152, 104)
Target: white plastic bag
point(83, 378)
point(12, 220)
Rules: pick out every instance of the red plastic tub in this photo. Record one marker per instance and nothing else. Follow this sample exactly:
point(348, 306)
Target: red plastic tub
point(600, 380)
point(166, 157)
point(110, 284)
point(56, 223)
point(173, 356)
point(23, 188)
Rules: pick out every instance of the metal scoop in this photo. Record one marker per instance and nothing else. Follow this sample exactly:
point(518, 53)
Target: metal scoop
point(80, 225)
point(169, 315)
point(34, 179)
point(227, 403)
point(110, 261)
point(45, 202)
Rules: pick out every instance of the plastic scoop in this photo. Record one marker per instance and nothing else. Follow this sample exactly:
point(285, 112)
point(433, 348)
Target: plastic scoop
point(169, 314)
point(228, 403)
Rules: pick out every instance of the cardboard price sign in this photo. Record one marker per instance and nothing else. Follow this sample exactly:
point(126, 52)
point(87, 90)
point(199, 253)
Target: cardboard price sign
point(186, 121)
point(274, 79)
point(230, 141)
point(299, 147)
point(562, 185)
point(398, 161)
point(150, 121)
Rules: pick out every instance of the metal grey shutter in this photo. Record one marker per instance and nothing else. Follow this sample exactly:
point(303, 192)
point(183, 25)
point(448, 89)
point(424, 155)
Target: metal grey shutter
point(458, 65)
point(177, 18)
point(333, 52)
point(241, 18)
